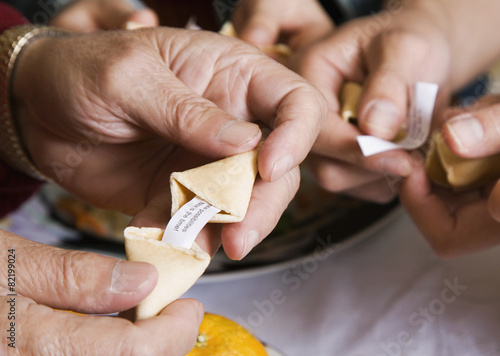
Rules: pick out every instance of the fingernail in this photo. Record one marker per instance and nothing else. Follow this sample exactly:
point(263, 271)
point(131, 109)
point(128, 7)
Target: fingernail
point(281, 167)
point(382, 118)
point(257, 36)
point(131, 25)
point(466, 131)
point(396, 166)
point(129, 277)
point(237, 133)
point(251, 239)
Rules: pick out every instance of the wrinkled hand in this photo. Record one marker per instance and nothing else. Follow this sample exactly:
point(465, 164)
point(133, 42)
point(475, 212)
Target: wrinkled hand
point(109, 116)
point(388, 53)
point(460, 223)
point(297, 22)
point(92, 15)
point(48, 277)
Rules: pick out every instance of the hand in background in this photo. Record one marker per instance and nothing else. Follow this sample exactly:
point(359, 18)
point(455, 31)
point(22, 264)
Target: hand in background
point(295, 22)
point(92, 15)
point(388, 53)
point(460, 223)
point(110, 115)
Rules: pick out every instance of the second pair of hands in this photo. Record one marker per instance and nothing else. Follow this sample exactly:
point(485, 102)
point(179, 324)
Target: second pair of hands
point(388, 52)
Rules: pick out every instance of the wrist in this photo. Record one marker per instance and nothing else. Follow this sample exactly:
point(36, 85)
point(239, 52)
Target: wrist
point(12, 44)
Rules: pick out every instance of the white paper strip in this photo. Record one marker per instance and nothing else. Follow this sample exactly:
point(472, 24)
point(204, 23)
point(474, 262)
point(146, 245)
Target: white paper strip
point(419, 122)
point(188, 221)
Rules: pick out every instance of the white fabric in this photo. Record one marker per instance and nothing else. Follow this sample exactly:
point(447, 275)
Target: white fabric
point(362, 301)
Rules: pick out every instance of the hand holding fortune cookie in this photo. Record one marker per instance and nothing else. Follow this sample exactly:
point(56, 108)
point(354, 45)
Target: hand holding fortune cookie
point(465, 218)
point(461, 220)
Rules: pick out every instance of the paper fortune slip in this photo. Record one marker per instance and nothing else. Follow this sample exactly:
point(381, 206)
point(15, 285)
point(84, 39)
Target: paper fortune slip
point(419, 123)
point(216, 192)
point(188, 221)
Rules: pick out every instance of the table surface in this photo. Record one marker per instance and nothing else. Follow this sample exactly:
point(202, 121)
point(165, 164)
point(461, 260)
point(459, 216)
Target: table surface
point(387, 295)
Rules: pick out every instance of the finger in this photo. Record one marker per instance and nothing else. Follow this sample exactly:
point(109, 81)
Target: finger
point(112, 14)
point(298, 121)
point(72, 334)
point(309, 24)
point(381, 191)
point(338, 176)
point(257, 23)
point(309, 33)
point(76, 20)
point(337, 140)
point(75, 280)
point(180, 115)
point(494, 202)
point(293, 109)
point(144, 17)
point(267, 204)
point(451, 233)
point(475, 133)
point(329, 63)
point(395, 61)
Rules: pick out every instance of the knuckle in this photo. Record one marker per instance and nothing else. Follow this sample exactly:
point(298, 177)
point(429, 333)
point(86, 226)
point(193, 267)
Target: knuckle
point(312, 59)
point(442, 249)
point(443, 243)
point(34, 322)
point(109, 65)
point(292, 182)
point(184, 112)
point(70, 270)
point(406, 42)
point(330, 178)
point(76, 282)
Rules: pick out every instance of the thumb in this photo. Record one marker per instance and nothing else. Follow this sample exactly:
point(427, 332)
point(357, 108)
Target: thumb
point(262, 25)
point(75, 280)
point(393, 61)
point(195, 123)
point(475, 133)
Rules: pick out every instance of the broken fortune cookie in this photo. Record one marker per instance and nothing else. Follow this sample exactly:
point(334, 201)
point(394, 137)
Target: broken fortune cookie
point(226, 184)
point(178, 268)
point(447, 169)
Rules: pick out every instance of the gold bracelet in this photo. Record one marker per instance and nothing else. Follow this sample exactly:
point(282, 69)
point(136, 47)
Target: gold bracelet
point(12, 150)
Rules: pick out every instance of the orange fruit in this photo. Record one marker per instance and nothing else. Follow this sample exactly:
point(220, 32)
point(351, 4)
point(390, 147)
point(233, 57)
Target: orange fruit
point(219, 336)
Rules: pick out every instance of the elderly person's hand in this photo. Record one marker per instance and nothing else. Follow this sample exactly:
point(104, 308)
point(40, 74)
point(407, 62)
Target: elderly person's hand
point(92, 15)
point(460, 223)
point(46, 277)
point(110, 115)
point(296, 22)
